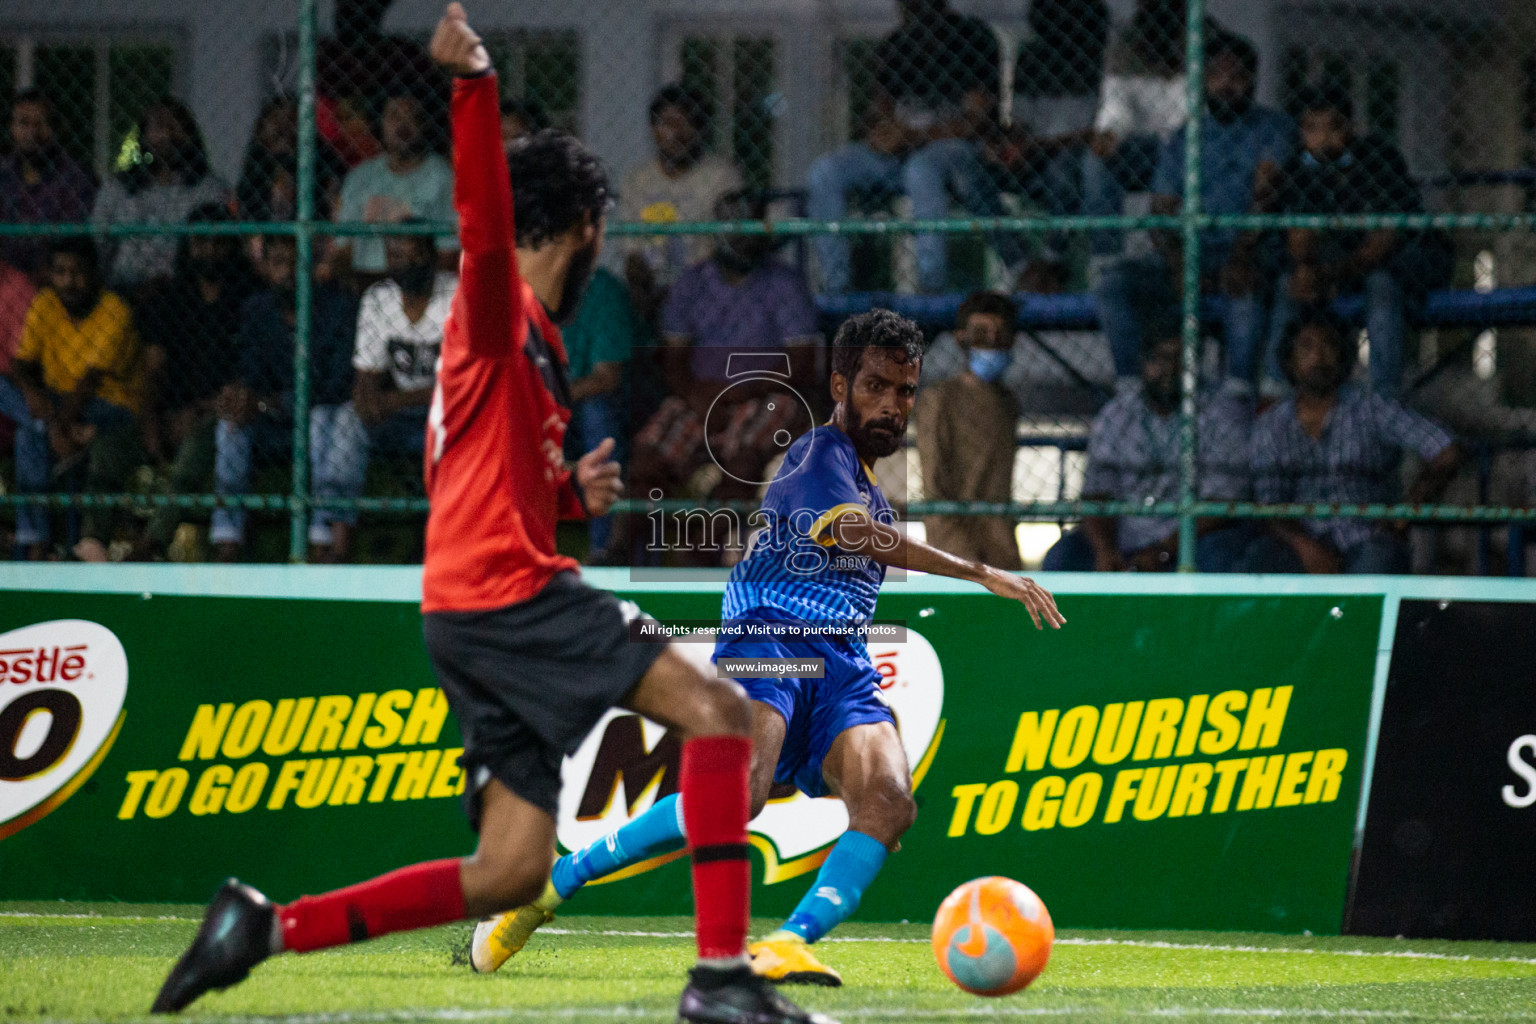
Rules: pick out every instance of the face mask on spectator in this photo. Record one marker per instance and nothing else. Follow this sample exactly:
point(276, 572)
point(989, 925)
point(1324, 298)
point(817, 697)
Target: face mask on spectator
point(414, 278)
point(989, 363)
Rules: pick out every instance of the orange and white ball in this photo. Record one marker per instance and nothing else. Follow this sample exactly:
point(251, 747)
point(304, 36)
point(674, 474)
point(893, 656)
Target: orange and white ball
point(992, 936)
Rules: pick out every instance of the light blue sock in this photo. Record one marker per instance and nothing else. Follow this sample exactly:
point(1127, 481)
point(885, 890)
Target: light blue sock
point(852, 865)
point(659, 830)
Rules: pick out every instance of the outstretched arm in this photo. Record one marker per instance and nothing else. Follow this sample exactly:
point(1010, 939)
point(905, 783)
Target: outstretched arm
point(488, 303)
point(860, 534)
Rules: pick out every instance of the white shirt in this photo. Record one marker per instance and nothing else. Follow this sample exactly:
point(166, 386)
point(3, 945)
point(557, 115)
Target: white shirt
point(388, 340)
point(1141, 105)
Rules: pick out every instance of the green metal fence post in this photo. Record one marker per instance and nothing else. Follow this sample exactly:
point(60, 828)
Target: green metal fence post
point(1189, 214)
point(298, 502)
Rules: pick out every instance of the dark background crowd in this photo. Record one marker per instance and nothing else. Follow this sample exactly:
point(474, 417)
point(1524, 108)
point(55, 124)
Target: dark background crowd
point(163, 363)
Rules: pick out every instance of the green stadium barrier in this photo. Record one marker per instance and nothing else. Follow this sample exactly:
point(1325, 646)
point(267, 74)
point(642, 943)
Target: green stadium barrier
point(1188, 752)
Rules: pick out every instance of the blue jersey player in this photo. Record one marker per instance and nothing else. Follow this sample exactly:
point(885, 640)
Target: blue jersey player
point(806, 590)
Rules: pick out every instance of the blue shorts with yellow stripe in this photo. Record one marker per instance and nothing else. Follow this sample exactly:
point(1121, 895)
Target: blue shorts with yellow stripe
point(815, 711)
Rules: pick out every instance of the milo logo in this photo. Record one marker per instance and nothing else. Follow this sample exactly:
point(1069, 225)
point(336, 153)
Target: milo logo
point(627, 763)
point(62, 686)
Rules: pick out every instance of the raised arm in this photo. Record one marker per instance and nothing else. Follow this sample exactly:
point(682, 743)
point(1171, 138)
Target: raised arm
point(489, 302)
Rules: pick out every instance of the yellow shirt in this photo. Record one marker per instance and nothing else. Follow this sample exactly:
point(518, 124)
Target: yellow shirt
point(69, 349)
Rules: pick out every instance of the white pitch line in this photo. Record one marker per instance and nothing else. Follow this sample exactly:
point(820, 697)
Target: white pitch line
point(1406, 954)
point(624, 933)
point(96, 917)
point(460, 1016)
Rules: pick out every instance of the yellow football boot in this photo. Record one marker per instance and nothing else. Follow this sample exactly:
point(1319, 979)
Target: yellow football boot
point(498, 939)
point(786, 959)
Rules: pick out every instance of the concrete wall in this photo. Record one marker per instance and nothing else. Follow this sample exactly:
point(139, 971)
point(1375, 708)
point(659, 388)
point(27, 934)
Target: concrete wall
point(623, 56)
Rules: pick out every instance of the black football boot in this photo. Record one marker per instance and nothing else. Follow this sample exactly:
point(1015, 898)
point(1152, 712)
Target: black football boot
point(236, 935)
point(737, 996)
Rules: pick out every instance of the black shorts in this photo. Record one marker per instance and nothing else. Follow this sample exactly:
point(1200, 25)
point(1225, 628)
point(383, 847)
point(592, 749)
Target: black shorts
point(528, 682)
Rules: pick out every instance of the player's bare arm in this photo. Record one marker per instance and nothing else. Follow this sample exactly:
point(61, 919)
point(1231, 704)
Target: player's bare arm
point(888, 545)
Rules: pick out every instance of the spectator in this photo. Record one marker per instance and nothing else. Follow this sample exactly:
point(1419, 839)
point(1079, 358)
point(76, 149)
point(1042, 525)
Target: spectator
point(1141, 105)
point(1335, 172)
point(399, 337)
point(1330, 443)
point(39, 183)
point(965, 436)
point(16, 294)
point(1243, 148)
point(738, 302)
point(1133, 455)
point(407, 181)
point(1055, 92)
point(937, 79)
point(683, 183)
point(170, 178)
point(74, 392)
point(598, 343)
point(255, 410)
point(269, 177)
point(190, 326)
point(520, 119)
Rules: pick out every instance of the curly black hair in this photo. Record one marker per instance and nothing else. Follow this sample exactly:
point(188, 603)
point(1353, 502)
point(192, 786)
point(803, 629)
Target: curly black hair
point(1336, 330)
point(556, 184)
point(879, 328)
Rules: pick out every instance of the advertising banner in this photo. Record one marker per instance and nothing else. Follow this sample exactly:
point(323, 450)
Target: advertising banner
point(1181, 761)
point(1452, 822)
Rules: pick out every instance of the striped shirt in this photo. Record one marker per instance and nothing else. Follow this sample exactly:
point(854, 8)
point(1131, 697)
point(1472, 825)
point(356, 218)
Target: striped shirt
point(794, 569)
point(1133, 455)
point(1355, 461)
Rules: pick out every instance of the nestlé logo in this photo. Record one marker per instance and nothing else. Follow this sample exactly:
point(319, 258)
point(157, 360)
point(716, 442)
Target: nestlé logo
point(62, 686)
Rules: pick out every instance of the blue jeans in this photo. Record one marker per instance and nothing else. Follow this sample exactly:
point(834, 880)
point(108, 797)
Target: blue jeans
point(31, 450)
point(1378, 555)
point(336, 470)
point(592, 420)
point(927, 177)
point(1218, 551)
point(1106, 182)
point(110, 457)
point(1386, 321)
point(346, 445)
point(1056, 187)
point(1129, 288)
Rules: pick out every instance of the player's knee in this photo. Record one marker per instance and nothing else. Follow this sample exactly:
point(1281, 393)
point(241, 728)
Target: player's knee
point(720, 708)
point(759, 800)
point(886, 811)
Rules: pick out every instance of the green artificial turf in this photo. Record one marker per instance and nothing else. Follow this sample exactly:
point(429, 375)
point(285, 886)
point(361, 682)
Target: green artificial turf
point(89, 962)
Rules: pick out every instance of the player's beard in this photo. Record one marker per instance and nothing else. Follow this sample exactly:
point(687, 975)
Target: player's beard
point(872, 442)
point(577, 276)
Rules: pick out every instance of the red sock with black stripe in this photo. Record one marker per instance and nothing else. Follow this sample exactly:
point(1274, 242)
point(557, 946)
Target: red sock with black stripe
point(420, 896)
point(716, 799)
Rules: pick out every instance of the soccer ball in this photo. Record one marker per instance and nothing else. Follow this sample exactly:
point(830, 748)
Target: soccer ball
point(992, 936)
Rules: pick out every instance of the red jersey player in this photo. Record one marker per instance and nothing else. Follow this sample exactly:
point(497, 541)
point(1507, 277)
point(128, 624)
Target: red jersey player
point(529, 656)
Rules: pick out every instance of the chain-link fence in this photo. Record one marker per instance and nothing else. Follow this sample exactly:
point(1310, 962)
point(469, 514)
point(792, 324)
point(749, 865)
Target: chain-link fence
point(1292, 332)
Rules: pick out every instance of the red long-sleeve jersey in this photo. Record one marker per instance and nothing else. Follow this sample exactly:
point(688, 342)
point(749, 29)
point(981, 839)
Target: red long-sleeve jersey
point(495, 468)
